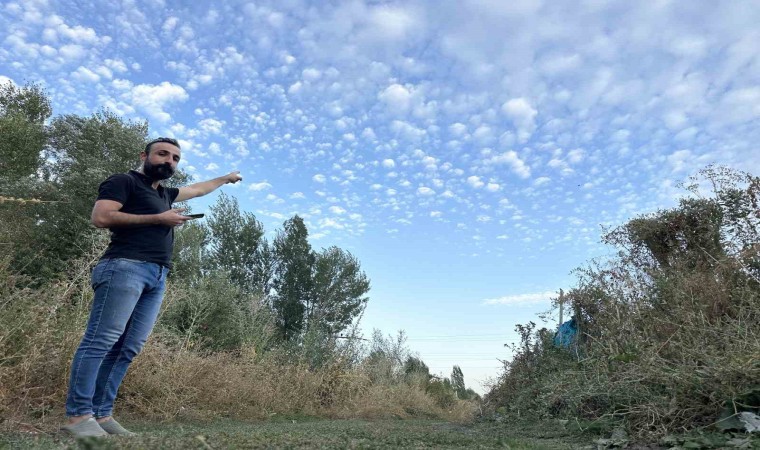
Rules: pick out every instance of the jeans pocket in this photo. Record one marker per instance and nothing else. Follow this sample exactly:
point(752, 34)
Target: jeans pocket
point(98, 271)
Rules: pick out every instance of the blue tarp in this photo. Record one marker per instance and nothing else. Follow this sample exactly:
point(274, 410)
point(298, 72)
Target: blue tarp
point(566, 334)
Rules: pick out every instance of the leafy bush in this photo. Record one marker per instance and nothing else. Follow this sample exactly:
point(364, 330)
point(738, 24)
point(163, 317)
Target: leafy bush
point(669, 328)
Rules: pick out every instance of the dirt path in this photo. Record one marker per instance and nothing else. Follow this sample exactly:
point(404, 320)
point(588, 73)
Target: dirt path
point(296, 434)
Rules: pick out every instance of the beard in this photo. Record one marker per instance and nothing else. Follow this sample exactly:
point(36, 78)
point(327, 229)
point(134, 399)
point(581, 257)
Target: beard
point(157, 172)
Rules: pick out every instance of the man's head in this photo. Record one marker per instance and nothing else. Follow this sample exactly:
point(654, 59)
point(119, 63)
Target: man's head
point(160, 158)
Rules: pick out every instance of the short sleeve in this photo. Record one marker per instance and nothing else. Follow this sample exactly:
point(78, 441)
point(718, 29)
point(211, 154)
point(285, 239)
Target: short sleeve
point(172, 193)
point(116, 188)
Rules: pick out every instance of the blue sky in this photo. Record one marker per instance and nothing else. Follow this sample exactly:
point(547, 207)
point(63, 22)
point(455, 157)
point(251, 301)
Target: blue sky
point(467, 152)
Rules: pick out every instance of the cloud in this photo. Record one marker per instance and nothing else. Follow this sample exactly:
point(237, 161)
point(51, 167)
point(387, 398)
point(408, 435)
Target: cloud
point(85, 75)
point(522, 299)
point(475, 182)
point(211, 125)
point(522, 115)
point(319, 178)
point(511, 158)
point(259, 186)
point(154, 99)
point(391, 22)
point(396, 97)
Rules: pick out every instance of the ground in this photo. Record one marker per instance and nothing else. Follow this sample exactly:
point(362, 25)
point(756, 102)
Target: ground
point(300, 433)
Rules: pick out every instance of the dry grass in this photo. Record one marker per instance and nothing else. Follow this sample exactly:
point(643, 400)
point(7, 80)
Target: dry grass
point(41, 328)
point(669, 331)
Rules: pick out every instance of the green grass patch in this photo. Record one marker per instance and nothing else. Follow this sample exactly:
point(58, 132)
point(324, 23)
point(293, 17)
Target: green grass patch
point(296, 433)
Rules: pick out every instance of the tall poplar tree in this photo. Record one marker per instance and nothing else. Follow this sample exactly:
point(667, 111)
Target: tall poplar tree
point(292, 279)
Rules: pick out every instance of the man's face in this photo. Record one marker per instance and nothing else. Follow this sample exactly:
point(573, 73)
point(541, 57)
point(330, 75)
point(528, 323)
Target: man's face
point(162, 161)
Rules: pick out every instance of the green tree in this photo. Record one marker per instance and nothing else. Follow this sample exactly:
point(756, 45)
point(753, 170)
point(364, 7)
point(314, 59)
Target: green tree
point(23, 112)
point(457, 383)
point(217, 315)
point(190, 258)
point(237, 246)
point(292, 279)
point(82, 152)
point(338, 290)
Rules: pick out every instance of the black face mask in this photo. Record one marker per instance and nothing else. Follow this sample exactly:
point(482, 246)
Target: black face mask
point(157, 172)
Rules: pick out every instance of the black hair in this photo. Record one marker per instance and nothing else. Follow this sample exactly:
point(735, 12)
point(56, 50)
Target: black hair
point(161, 139)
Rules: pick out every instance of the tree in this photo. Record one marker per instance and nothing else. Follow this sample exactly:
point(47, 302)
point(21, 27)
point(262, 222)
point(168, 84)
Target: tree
point(238, 246)
point(292, 279)
point(190, 256)
point(81, 153)
point(457, 383)
point(23, 112)
point(217, 315)
point(338, 290)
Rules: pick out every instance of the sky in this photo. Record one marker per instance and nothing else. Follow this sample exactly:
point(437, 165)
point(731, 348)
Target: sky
point(467, 152)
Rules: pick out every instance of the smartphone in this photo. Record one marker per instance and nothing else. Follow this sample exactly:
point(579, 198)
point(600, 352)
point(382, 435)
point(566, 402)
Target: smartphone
point(194, 216)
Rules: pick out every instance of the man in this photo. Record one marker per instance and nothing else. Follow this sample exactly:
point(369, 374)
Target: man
point(128, 281)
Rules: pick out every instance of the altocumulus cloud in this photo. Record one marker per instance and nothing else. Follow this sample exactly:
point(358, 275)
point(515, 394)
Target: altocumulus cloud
point(522, 299)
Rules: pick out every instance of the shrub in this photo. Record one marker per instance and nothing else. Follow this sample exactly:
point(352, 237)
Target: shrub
point(669, 328)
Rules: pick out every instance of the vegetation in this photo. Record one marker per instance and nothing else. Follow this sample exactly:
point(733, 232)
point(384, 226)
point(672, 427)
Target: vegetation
point(300, 432)
point(669, 336)
point(248, 328)
point(668, 340)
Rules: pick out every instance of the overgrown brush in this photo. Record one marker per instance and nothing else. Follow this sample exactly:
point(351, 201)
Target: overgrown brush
point(192, 366)
point(669, 329)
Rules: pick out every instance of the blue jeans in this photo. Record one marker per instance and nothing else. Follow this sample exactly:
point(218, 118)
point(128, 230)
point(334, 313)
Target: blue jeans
point(128, 296)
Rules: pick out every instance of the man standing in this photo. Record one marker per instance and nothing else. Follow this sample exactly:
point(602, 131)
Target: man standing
point(128, 281)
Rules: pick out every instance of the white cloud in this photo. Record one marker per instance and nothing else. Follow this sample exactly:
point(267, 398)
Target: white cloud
point(311, 74)
point(458, 129)
point(85, 75)
point(211, 125)
point(396, 97)
point(259, 186)
point(319, 178)
point(153, 99)
point(425, 191)
point(523, 117)
point(297, 196)
point(72, 52)
point(475, 182)
point(330, 223)
point(295, 87)
point(391, 22)
point(169, 24)
point(522, 299)
point(513, 160)
point(389, 163)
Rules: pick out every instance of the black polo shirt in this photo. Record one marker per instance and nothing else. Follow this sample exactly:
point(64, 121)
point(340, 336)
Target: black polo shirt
point(151, 243)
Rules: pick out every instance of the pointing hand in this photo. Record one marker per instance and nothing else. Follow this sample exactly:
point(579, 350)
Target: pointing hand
point(234, 177)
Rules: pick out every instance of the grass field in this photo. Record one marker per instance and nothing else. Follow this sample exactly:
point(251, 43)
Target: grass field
point(298, 433)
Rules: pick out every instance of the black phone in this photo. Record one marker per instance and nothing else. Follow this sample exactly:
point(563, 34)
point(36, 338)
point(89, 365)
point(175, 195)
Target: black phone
point(194, 216)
